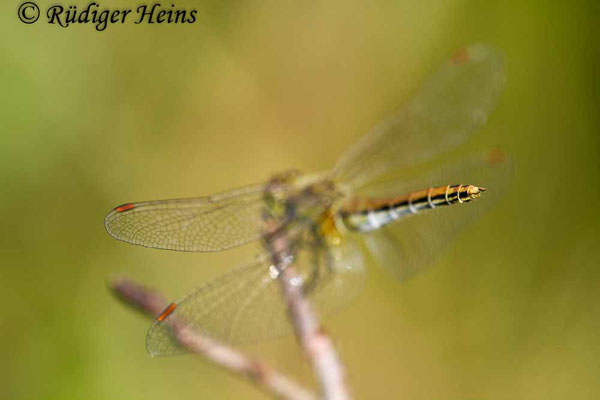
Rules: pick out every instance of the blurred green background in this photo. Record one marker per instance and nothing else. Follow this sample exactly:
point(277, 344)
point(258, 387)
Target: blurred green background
point(94, 119)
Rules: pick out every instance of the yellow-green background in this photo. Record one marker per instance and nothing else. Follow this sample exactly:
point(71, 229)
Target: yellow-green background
point(91, 119)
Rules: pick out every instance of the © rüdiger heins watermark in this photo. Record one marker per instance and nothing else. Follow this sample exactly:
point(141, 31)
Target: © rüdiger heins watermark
point(155, 13)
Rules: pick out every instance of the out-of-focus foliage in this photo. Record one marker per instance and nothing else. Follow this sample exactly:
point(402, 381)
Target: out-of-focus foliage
point(93, 119)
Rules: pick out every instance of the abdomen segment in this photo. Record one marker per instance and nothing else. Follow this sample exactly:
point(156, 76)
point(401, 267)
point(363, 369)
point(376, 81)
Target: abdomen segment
point(367, 214)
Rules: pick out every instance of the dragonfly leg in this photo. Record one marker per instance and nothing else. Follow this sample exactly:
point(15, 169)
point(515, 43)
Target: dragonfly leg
point(322, 269)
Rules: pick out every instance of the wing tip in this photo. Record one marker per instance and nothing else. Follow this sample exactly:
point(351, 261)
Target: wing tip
point(122, 208)
point(160, 341)
point(111, 221)
point(150, 347)
point(108, 222)
point(495, 156)
point(478, 53)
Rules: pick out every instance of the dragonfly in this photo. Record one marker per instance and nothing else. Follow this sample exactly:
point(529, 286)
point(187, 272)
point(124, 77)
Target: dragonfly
point(385, 201)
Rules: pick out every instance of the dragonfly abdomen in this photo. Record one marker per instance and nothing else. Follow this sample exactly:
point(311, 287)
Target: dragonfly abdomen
point(368, 214)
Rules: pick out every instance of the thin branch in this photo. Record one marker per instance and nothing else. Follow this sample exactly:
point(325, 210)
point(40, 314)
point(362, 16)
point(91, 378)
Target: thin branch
point(311, 336)
point(271, 381)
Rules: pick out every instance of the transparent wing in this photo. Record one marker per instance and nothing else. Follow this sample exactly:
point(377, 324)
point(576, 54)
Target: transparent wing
point(408, 245)
point(246, 305)
point(454, 102)
point(210, 223)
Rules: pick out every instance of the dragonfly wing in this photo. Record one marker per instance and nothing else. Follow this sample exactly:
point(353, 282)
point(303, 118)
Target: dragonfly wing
point(342, 276)
point(410, 244)
point(453, 103)
point(246, 305)
point(202, 224)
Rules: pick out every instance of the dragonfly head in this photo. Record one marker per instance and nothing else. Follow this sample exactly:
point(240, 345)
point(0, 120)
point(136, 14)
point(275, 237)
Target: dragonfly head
point(278, 191)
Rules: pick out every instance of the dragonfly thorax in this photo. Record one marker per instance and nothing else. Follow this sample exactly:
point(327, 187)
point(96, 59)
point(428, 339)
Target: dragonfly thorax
point(293, 196)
